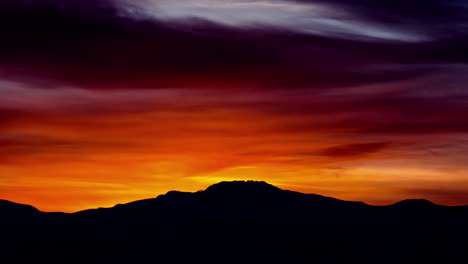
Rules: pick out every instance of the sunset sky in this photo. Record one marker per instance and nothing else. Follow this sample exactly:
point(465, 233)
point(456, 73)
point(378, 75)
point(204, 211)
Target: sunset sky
point(105, 102)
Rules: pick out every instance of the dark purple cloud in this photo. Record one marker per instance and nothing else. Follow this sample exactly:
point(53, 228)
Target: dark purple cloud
point(97, 44)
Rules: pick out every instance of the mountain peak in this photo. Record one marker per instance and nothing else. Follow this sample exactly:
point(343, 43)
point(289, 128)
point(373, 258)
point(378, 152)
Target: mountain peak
point(416, 203)
point(242, 188)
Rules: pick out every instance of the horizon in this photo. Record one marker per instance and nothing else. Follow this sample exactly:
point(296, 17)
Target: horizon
point(226, 182)
point(108, 101)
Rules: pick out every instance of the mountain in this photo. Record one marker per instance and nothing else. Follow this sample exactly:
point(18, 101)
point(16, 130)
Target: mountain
point(8, 209)
point(237, 222)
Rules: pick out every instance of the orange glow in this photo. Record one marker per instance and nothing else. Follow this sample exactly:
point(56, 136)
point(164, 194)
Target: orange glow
point(74, 161)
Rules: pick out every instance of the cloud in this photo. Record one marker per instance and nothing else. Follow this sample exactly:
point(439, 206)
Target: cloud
point(102, 45)
point(424, 17)
point(394, 20)
point(359, 149)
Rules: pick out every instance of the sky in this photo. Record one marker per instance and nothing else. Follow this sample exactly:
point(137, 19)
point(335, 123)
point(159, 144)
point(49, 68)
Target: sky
point(105, 102)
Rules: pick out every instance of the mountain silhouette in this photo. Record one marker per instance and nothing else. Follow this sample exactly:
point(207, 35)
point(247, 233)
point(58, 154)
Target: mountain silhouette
point(237, 222)
point(8, 209)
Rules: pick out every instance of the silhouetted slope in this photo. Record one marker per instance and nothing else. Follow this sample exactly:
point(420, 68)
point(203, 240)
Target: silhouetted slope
point(248, 222)
point(8, 208)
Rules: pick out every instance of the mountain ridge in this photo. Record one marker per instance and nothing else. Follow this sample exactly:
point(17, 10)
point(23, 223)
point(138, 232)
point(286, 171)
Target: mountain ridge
point(228, 189)
point(248, 222)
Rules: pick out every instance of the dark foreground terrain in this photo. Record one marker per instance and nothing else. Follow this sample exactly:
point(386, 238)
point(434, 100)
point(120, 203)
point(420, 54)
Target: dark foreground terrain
point(237, 222)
